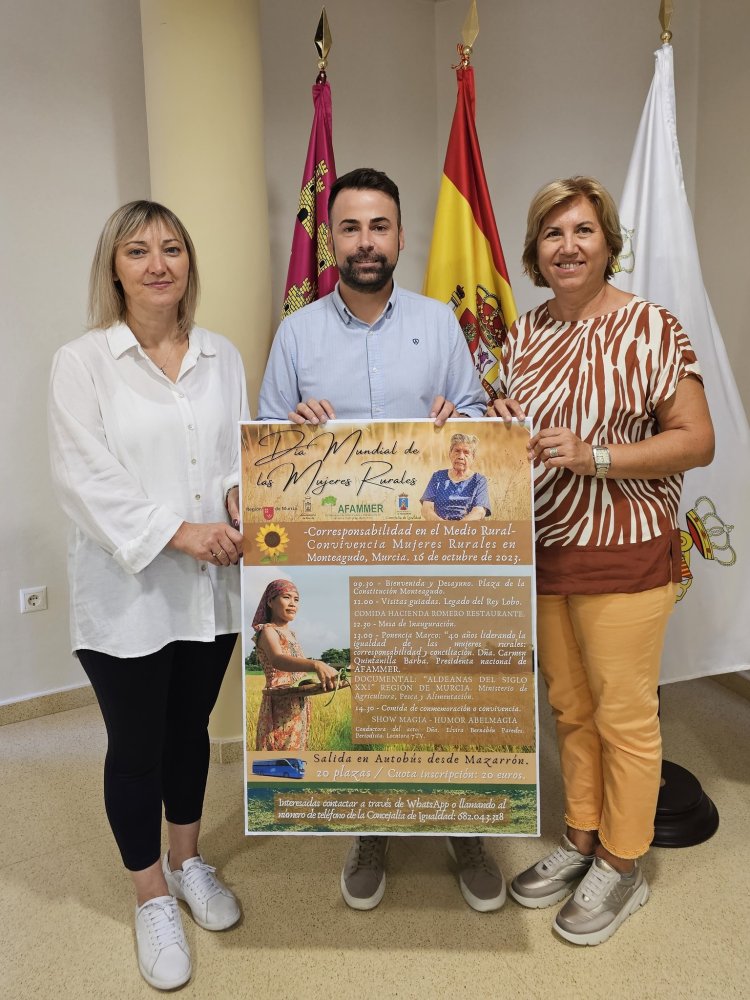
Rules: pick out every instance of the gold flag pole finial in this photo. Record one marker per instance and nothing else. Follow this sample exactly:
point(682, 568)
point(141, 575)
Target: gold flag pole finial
point(323, 44)
point(666, 9)
point(469, 33)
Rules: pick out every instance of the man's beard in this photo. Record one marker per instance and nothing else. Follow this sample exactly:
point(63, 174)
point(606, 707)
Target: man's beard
point(373, 280)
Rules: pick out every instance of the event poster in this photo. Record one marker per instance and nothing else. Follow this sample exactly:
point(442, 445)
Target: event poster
point(410, 554)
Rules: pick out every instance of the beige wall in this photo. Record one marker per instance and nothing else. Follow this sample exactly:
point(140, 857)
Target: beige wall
point(206, 152)
point(722, 203)
point(73, 127)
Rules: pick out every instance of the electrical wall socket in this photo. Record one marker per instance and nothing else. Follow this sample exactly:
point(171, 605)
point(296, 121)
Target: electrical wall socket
point(33, 599)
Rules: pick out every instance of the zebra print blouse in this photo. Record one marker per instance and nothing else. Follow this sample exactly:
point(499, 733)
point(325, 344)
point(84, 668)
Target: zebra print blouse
point(603, 378)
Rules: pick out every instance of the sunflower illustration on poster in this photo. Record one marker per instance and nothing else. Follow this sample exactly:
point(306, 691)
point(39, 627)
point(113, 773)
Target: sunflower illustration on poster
point(272, 541)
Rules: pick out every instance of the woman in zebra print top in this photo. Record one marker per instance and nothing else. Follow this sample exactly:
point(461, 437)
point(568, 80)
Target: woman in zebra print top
point(614, 393)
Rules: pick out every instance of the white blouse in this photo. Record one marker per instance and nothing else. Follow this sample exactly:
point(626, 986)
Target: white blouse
point(133, 456)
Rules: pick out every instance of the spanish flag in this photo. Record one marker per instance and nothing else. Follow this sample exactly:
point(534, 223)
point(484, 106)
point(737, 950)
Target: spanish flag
point(466, 266)
point(312, 267)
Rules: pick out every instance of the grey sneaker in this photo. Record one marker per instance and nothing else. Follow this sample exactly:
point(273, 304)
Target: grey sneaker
point(602, 901)
point(481, 882)
point(363, 874)
point(553, 878)
point(214, 907)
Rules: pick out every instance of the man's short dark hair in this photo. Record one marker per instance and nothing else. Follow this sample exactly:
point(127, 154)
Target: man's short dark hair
point(366, 179)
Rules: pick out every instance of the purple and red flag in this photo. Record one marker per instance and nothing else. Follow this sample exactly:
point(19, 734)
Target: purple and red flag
point(312, 267)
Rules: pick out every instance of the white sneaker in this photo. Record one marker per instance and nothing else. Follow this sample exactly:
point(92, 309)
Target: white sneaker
point(214, 907)
point(163, 953)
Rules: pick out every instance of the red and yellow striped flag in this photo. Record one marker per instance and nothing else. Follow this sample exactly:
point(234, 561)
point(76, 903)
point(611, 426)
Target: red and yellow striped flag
point(466, 266)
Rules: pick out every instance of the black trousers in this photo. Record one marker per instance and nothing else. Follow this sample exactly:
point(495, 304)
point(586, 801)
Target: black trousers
point(156, 711)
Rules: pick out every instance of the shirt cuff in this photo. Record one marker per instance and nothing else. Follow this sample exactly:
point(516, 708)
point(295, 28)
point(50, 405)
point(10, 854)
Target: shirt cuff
point(229, 484)
point(136, 554)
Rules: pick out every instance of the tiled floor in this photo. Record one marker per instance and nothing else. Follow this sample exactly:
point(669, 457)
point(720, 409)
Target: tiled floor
point(66, 909)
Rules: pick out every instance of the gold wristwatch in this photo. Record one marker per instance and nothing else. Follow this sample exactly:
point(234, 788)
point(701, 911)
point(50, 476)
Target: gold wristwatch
point(602, 460)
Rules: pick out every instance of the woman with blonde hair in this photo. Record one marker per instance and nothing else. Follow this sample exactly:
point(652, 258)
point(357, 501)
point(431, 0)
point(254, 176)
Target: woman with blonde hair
point(143, 413)
point(615, 394)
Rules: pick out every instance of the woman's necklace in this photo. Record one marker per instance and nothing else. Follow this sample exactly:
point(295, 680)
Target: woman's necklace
point(163, 367)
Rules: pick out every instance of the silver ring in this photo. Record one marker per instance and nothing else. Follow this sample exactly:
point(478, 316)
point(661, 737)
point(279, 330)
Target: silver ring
point(553, 453)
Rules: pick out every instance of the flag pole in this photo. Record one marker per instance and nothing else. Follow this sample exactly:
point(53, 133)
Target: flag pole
point(666, 9)
point(469, 34)
point(323, 42)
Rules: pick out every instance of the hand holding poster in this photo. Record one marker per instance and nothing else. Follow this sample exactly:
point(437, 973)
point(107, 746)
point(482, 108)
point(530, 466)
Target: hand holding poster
point(388, 639)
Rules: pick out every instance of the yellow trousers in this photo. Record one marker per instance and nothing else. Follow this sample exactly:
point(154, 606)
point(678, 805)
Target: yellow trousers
point(600, 656)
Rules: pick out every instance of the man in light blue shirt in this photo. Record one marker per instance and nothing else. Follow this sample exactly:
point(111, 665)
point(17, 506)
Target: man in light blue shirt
point(371, 350)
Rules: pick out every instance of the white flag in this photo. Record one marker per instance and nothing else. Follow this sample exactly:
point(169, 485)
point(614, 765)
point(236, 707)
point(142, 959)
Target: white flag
point(710, 628)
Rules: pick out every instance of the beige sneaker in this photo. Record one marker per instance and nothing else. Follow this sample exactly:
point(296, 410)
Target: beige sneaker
point(481, 882)
point(363, 875)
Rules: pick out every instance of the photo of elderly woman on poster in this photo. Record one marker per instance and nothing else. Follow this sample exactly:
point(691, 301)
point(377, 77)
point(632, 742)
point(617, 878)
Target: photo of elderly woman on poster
point(284, 719)
point(457, 493)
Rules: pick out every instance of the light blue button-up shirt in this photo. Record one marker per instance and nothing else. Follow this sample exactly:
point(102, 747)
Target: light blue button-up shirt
point(393, 369)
